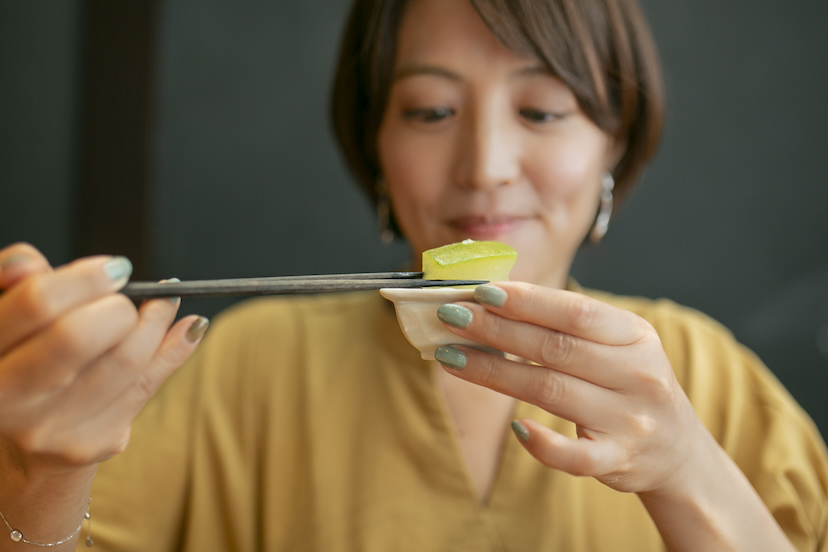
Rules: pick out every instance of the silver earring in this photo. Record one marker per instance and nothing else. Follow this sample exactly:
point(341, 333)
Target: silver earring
point(386, 234)
point(599, 229)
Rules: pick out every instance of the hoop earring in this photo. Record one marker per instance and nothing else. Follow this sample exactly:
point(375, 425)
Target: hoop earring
point(599, 229)
point(386, 234)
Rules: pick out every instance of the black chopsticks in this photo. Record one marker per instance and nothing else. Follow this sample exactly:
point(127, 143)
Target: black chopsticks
point(287, 285)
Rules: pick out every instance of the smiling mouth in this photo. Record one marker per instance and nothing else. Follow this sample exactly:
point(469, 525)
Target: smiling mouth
point(487, 227)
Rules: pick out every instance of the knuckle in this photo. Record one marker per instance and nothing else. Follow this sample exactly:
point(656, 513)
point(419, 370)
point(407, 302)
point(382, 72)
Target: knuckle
point(581, 312)
point(656, 383)
point(126, 309)
point(173, 357)
point(36, 304)
point(583, 468)
point(36, 439)
point(83, 450)
point(489, 371)
point(586, 465)
point(67, 340)
point(120, 362)
point(76, 455)
point(642, 426)
point(25, 441)
point(648, 332)
point(495, 327)
point(121, 445)
point(556, 349)
point(146, 383)
point(549, 388)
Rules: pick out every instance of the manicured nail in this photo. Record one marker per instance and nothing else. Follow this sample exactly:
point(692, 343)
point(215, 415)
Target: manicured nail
point(451, 357)
point(118, 269)
point(520, 430)
point(13, 260)
point(175, 300)
point(490, 295)
point(198, 329)
point(455, 315)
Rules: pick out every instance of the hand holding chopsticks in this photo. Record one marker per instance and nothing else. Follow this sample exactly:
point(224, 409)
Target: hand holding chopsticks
point(286, 285)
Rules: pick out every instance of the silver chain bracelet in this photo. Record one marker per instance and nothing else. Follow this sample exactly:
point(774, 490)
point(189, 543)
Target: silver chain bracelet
point(17, 536)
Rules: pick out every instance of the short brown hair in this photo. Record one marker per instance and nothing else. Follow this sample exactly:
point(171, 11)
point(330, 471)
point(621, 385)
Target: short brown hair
point(601, 49)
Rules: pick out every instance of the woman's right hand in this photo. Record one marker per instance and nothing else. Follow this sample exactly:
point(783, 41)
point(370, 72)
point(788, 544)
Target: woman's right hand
point(77, 360)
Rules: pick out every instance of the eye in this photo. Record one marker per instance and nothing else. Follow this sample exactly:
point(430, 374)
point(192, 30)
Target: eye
point(429, 115)
point(538, 116)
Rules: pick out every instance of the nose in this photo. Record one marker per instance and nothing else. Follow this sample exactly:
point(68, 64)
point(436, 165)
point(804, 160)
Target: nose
point(488, 151)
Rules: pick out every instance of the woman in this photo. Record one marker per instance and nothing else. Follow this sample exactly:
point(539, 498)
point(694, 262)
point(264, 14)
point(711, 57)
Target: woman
point(309, 423)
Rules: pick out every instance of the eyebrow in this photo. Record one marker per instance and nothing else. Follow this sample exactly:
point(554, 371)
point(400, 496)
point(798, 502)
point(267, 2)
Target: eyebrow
point(418, 69)
point(421, 69)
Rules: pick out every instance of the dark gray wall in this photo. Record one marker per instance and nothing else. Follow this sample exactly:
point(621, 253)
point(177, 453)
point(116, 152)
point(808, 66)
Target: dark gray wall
point(248, 179)
point(730, 218)
point(40, 46)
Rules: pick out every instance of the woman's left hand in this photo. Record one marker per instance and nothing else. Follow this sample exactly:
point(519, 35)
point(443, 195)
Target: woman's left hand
point(599, 366)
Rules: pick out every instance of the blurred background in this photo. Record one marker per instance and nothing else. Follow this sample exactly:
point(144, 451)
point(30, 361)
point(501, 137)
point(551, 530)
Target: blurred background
point(193, 137)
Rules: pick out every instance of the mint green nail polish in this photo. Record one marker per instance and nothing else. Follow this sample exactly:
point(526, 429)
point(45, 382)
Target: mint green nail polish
point(451, 357)
point(119, 268)
point(455, 315)
point(490, 295)
point(520, 430)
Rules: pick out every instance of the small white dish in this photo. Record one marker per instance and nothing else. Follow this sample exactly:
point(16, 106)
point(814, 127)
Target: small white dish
point(417, 315)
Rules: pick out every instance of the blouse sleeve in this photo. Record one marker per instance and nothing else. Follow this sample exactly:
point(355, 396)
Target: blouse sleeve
point(755, 420)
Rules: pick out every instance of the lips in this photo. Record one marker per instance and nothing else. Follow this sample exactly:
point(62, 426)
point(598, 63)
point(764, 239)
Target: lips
point(488, 226)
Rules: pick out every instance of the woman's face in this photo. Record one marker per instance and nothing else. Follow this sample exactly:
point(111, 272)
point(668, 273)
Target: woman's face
point(478, 142)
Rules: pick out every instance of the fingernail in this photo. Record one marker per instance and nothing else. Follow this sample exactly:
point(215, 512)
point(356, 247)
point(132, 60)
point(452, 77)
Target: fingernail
point(451, 357)
point(198, 329)
point(119, 268)
point(455, 315)
point(13, 260)
point(490, 295)
point(521, 431)
point(175, 300)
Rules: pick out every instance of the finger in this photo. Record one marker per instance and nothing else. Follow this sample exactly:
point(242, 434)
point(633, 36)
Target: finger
point(117, 369)
point(565, 311)
point(581, 456)
point(563, 395)
point(19, 261)
point(79, 436)
point(36, 302)
point(605, 365)
point(46, 364)
point(179, 344)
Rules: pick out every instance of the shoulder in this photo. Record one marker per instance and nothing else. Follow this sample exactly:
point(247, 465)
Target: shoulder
point(746, 409)
point(672, 321)
point(708, 361)
point(731, 389)
point(688, 336)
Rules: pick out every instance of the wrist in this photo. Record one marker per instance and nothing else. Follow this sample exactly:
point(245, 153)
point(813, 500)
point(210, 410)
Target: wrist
point(711, 505)
point(22, 472)
point(42, 502)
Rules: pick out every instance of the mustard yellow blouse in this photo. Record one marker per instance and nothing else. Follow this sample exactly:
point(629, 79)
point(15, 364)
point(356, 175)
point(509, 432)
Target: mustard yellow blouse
point(310, 424)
